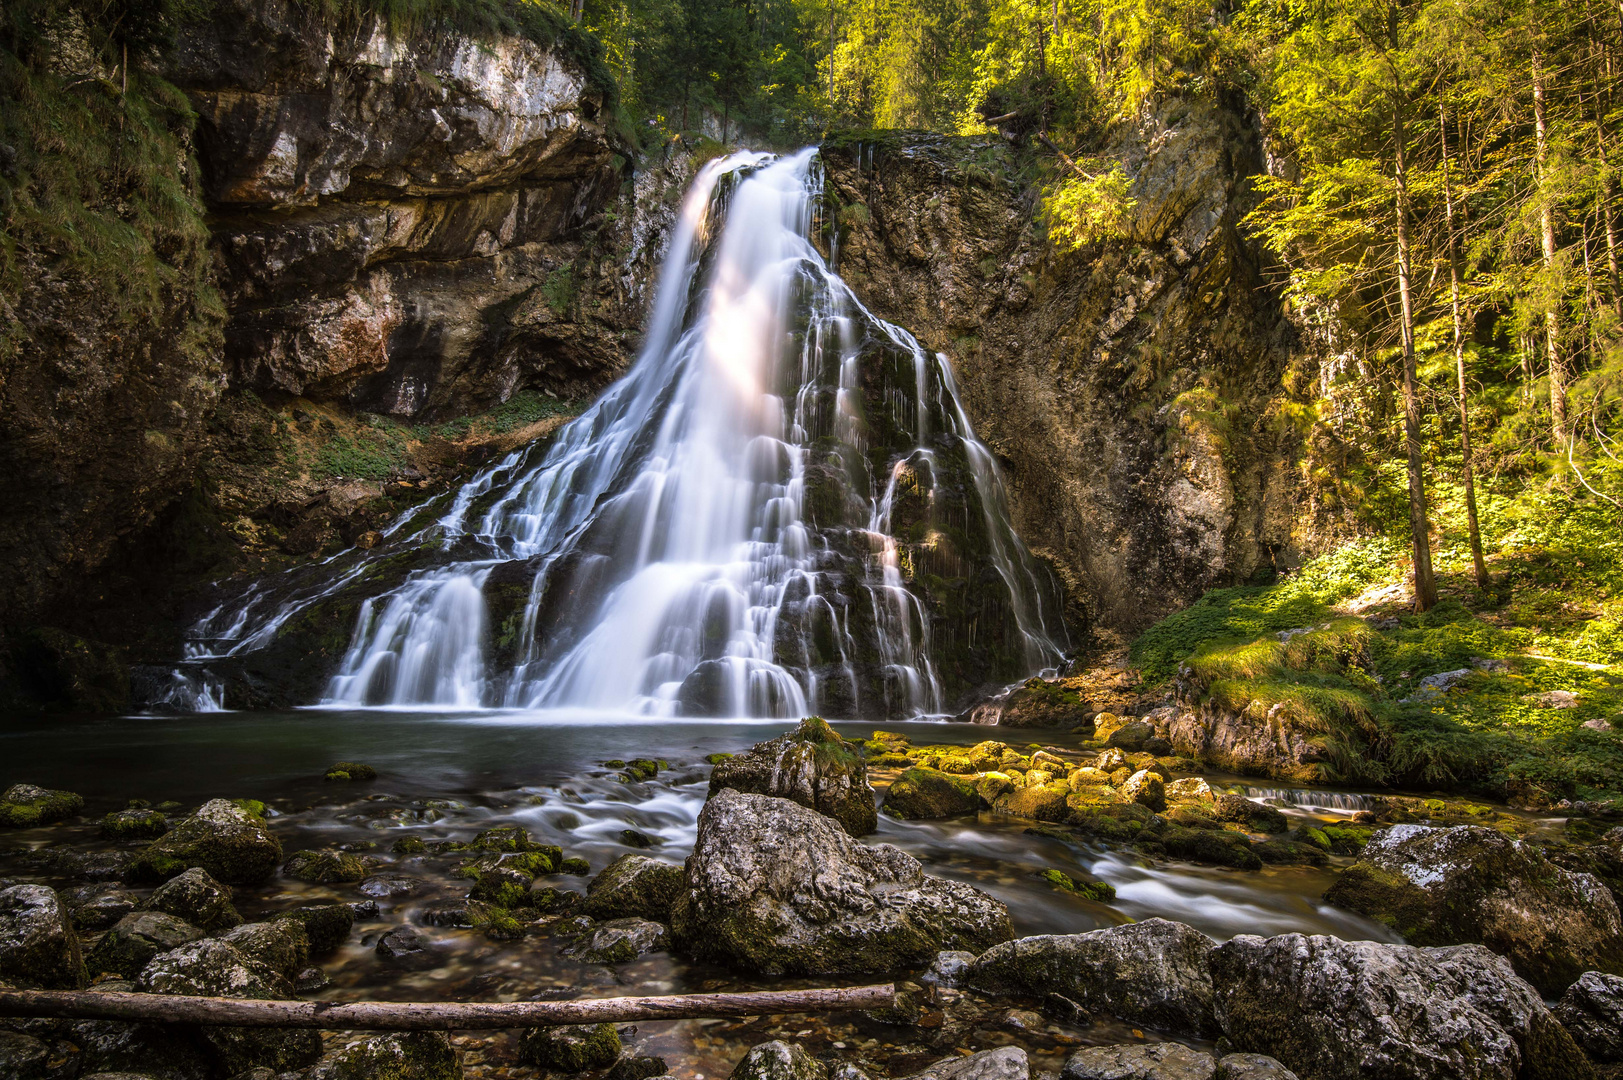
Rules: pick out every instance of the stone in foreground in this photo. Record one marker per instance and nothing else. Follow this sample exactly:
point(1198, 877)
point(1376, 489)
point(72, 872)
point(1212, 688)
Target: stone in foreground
point(810, 765)
point(571, 1048)
point(1592, 1010)
point(1471, 885)
point(1252, 1067)
point(1142, 1061)
point(778, 1060)
point(1156, 973)
point(1004, 1063)
point(776, 888)
point(1361, 1010)
point(38, 948)
point(403, 1055)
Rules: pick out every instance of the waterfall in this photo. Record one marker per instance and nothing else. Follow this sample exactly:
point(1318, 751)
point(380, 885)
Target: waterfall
point(780, 509)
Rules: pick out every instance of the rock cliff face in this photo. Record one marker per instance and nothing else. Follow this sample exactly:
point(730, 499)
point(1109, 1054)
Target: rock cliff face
point(1127, 388)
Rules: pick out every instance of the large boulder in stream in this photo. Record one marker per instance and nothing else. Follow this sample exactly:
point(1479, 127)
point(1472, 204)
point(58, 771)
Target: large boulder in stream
point(225, 838)
point(774, 887)
point(1154, 973)
point(197, 898)
point(38, 948)
point(810, 765)
point(1362, 1010)
point(1454, 886)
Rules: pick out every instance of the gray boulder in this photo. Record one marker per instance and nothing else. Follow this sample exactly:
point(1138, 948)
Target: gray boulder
point(1004, 1063)
point(633, 886)
point(778, 1060)
point(97, 907)
point(38, 948)
point(621, 941)
point(1473, 885)
point(281, 945)
point(136, 939)
point(398, 1055)
point(1356, 1010)
point(225, 839)
point(949, 968)
point(1140, 1061)
point(774, 887)
point(1252, 1067)
point(1592, 1011)
point(812, 766)
point(197, 898)
point(1155, 973)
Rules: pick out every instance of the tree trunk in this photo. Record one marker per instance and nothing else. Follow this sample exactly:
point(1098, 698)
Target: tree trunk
point(1459, 364)
point(1425, 585)
point(1552, 317)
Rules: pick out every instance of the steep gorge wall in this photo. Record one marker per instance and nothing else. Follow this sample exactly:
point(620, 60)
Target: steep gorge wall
point(1130, 389)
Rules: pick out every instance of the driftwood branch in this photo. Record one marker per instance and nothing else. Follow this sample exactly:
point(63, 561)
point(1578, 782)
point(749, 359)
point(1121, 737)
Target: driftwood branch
point(428, 1016)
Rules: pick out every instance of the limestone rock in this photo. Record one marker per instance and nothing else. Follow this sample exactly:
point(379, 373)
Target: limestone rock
point(812, 766)
point(1251, 1067)
point(1142, 1061)
point(398, 1055)
point(137, 938)
point(1255, 816)
point(134, 825)
point(1155, 973)
point(633, 886)
point(224, 839)
point(281, 945)
point(1147, 789)
point(24, 805)
point(921, 794)
point(99, 907)
point(778, 1060)
point(1343, 1010)
point(38, 947)
point(1004, 1063)
point(1468, 884)
point(571, 1048)
point(774, 887)
point(325, 867)
point(1592, 1011)
point(197, 898)
point(326, 925)
point(620, 941)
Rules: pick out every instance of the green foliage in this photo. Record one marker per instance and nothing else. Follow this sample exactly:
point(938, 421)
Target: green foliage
point(1082, 211)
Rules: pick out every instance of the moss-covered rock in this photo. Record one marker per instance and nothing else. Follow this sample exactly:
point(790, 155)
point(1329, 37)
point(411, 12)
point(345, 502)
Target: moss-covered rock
point(778, 1060)
point(38, 947)
point(1101, 891)
point(642, 769)
point(197, 898)
point(571, 1048)
point(326, 925)
point(511, 839)
point(1218, 847)
point(137, 938)
point(123, 825)
point(575, 865)
point(620, 941)
point(1147, 789)
point(232, 843)
point(633, 886)
point(325, 867)
point(502, 887)
point(811, 765)
point(1040, 703)
point(1243, 811)
point(409, 845)
point(25, 805)
point(350, 770)
point(921, 794)
point(400, 1055)
point(280, 944)
point(1037, 802)
point(1445, 886)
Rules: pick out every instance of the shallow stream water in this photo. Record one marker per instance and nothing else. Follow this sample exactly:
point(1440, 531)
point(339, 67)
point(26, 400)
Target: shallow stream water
point(447, 775)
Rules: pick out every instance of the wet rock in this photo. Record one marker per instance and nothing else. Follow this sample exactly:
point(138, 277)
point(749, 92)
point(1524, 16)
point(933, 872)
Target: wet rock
point(1191, 789)
point(923, 794)
point(1255, 816)
point(326, 925)
point(196, 898)
point(25, 805)
point(576, 865)
point(1131, 736)
point(402, 943)
point(23, 1057)
point(1220, 848)
point(1346, 1010)
point(1147, 789)
point(637, 839)
point(137, 938)
point(1144, 1061)
point(134, 825)
point(949, 968)
point(774, 887)
point(281, 945)
point(511, 840)
point(637, 1068)
point(325, 867)
point(779, 1060)
point(571, 1048)
point(400, 1055)
point(1156, 973)
point(810, 765)
point(1251, 1067)
point(1446, 886)
point(97, 907)
point(350, 770)
point(1592, 1011)
point(391, 886)
point(213, 968)
point(633, 886)
point(1037, 802)
point(501, 886)
point(620, 941)
point(38, 947)
point(1004, 1063)
point(225, 839)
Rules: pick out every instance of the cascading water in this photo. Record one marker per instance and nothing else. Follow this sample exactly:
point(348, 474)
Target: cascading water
point(780, 509)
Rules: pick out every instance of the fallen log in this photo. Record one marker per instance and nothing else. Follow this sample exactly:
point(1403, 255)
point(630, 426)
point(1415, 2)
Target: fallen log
point(428, 1016)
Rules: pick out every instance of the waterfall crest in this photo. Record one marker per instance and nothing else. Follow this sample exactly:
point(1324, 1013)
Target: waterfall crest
point(780, 509)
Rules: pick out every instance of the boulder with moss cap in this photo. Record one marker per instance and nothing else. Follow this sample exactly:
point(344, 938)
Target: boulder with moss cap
point(922, 794)
point(778, 1060)
point(229, 840)
point(24, 805)
point(397, 1055)
point(810, 765)
point(633, 886)
point(572, 1048)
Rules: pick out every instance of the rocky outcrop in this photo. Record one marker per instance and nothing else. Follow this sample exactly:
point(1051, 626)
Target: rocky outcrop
point(1265, 745)
point(774, 887)
point(1439, 886)
point(1339, 1010)
point(1155, 973)
point(810, 765)
point(1124, 387)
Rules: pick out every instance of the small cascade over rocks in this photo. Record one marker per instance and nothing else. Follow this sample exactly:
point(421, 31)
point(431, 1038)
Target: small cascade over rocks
point(781, 509)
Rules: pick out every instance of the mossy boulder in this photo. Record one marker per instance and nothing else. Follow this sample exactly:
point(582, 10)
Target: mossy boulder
point(1147, 789)
point(1218, 847)
point(326, 925)
point(137, 938)
point(811, 765)
point(1036, 802)
point(399, 1055)
point(511, 839)
point(779, 1060)
point(1254, 816)
point(633, 886)
point(198, 899)
point(620, 941)
point(325, 867)
point(123, 825)
point(350, 770)
point(38, 947)
point(575, 866)
point(1101, 891)
point(25, 805)
point(1447, 886)
point(639, 769)
point(922, 794)
point(502, 886)
point(280, 944)
point(1117, 822)
point(1040, 703)
point(225, 838)
point(571, 1048)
